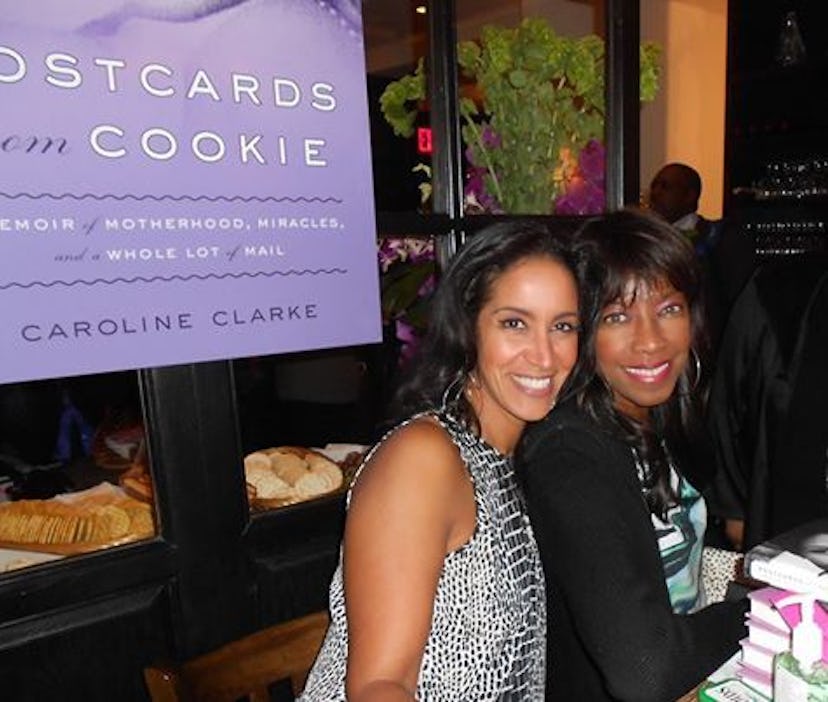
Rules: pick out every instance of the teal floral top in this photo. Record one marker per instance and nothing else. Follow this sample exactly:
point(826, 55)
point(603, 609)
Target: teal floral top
point(680, 541)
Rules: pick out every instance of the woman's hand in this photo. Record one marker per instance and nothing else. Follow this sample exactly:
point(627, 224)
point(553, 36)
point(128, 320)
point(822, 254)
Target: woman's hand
point(735, 532)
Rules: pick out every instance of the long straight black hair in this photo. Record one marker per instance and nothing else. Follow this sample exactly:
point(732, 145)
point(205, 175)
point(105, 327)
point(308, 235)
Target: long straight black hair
point(633, 246)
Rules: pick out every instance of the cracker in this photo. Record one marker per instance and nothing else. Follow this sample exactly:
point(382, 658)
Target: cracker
point(288, 466)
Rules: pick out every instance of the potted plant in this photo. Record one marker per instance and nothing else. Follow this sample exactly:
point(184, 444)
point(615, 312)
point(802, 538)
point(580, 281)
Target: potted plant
point(533, 117)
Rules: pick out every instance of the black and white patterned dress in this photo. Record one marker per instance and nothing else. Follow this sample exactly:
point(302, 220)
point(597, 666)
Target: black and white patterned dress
point(488, 627)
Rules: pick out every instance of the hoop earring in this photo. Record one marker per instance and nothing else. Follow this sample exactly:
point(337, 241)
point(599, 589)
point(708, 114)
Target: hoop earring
point(453, 391)
point(698, 369)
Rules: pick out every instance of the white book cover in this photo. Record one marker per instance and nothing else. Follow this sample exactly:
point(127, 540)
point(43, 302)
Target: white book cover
point(796, 560)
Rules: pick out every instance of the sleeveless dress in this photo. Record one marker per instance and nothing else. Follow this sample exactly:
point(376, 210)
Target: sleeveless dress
point(488, 627)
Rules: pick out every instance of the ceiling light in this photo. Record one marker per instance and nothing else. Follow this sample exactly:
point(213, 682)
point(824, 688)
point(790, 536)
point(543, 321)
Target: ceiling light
point(420, 9)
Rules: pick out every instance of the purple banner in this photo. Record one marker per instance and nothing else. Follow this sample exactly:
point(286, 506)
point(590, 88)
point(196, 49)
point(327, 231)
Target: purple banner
point(182, 182)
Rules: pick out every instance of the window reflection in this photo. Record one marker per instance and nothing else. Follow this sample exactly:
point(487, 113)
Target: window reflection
point(69, 450)
point(686, 121)
point(531, 79)
point(307, 418)
point(396, 38)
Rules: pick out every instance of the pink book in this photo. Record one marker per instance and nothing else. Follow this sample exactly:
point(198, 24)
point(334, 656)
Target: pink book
point(756, 656)
point(764, 606)
point(759, 680)
point(768, 637)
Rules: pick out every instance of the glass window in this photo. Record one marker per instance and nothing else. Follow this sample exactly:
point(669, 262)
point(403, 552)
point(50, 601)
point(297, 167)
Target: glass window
point(74, 474)
point(304, 418)
point(296, 410)
point(685, 121)
point(531, 82)
point(307, 418)
point(396, 39)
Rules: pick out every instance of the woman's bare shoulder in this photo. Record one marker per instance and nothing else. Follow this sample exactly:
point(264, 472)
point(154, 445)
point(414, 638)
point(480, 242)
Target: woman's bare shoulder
point(420, 453)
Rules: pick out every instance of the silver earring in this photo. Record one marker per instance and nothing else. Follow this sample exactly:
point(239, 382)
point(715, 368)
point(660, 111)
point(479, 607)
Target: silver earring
point(453, 391)
point(698, 369)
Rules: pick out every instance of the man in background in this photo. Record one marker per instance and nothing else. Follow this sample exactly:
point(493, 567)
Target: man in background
point(674, 194)
point(727, 254)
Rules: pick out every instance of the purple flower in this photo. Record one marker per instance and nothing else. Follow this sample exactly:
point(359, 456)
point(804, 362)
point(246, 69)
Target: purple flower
point(390, 251)
point(591, 161)
point(584, 193)
point(408, 341)
point(407, 265)
point(428, 286)
point(490, 138)
point(582, 197)
point(420, 249)
point(401, 249)
point(477, 198)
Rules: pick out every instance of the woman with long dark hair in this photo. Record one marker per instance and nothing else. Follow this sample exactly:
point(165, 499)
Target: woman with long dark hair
point(614, 477)
point(439, 594)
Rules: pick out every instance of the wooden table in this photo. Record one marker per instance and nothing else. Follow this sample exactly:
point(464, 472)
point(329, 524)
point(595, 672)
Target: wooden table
point(691, 696)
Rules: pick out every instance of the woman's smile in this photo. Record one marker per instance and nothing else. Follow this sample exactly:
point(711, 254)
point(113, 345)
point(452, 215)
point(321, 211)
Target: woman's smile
point(650, 374)
point(642, 346)
point(527, 341)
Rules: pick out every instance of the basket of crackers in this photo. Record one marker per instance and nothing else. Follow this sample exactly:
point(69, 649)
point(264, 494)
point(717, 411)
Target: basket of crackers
point(286, 475)
point(78, 522)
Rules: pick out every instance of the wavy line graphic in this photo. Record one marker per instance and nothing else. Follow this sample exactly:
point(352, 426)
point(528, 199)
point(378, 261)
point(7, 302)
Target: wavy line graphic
point(169, 279)
point(173, 198)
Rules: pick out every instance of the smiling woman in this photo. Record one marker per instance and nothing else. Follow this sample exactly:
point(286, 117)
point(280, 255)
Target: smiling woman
point(629, 436)
point(642, 346)
point(527, 344)
point(436, 524)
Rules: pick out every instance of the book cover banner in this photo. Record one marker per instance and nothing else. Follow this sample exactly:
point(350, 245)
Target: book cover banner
point(181, 182)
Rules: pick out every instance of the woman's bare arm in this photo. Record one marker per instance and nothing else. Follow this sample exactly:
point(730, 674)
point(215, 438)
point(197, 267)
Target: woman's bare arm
point(412, 504)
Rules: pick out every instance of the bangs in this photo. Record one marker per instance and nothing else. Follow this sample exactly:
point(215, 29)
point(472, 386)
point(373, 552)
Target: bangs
point(646, 261)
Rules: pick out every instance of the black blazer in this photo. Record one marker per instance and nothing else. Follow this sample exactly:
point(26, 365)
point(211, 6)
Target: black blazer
point(612, 633)
point(727, 259)
point(767, 403)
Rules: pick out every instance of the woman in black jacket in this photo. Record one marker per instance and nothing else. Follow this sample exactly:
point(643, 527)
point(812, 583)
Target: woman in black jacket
point(613, 479)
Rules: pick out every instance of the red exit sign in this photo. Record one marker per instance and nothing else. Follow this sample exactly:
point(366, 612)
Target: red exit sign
point(424, 145)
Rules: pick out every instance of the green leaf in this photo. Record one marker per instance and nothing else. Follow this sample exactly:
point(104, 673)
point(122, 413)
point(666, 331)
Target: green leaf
point(401, 286)
point(399, 101)
point(540, 92)
point(518, 79)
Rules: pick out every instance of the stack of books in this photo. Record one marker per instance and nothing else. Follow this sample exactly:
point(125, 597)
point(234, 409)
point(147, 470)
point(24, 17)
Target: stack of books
point(796, 560)
point(769, 633)
point(792, 563)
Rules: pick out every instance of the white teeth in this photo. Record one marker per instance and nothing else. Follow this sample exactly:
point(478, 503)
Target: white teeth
point(533, 383)
point(647, 372)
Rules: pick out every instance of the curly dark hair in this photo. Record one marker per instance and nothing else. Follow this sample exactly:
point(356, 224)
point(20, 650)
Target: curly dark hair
point(632, 245)
point(449, 350)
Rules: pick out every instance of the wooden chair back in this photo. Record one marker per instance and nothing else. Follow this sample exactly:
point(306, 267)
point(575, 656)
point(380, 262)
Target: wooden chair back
point(245, 667)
